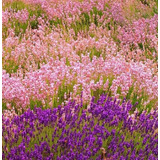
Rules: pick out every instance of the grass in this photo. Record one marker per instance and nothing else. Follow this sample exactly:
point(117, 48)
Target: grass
point(11, 67)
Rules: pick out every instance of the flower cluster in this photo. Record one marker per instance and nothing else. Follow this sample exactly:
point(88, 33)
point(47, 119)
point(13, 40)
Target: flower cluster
point(73, 132)
point(42, 84)
point(54, 50)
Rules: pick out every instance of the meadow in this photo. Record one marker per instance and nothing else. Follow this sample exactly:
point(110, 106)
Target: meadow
point(80, 79)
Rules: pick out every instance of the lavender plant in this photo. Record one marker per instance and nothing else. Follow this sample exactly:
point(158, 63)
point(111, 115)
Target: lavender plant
point(105, 130)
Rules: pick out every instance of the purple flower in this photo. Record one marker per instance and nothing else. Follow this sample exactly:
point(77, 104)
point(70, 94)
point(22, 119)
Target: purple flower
point(82, 134)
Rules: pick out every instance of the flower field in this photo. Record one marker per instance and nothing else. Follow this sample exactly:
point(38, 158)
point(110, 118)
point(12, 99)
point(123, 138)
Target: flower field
point(80, 79)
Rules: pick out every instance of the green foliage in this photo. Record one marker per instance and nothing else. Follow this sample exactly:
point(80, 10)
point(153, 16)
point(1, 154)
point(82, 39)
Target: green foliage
point(99, 91)
point(57, 22)
point(4, 106)
point(150, 105)
point(16, 5)
point(20, 28)
point(62, 90)
point(35, 103)
point(94, 52)
point(149, 51)
point(12, 67)
point(119, 90)
point(155, 10)
point(67, 62)
point(130, 91)
point(85, 21)
point(140, 46)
